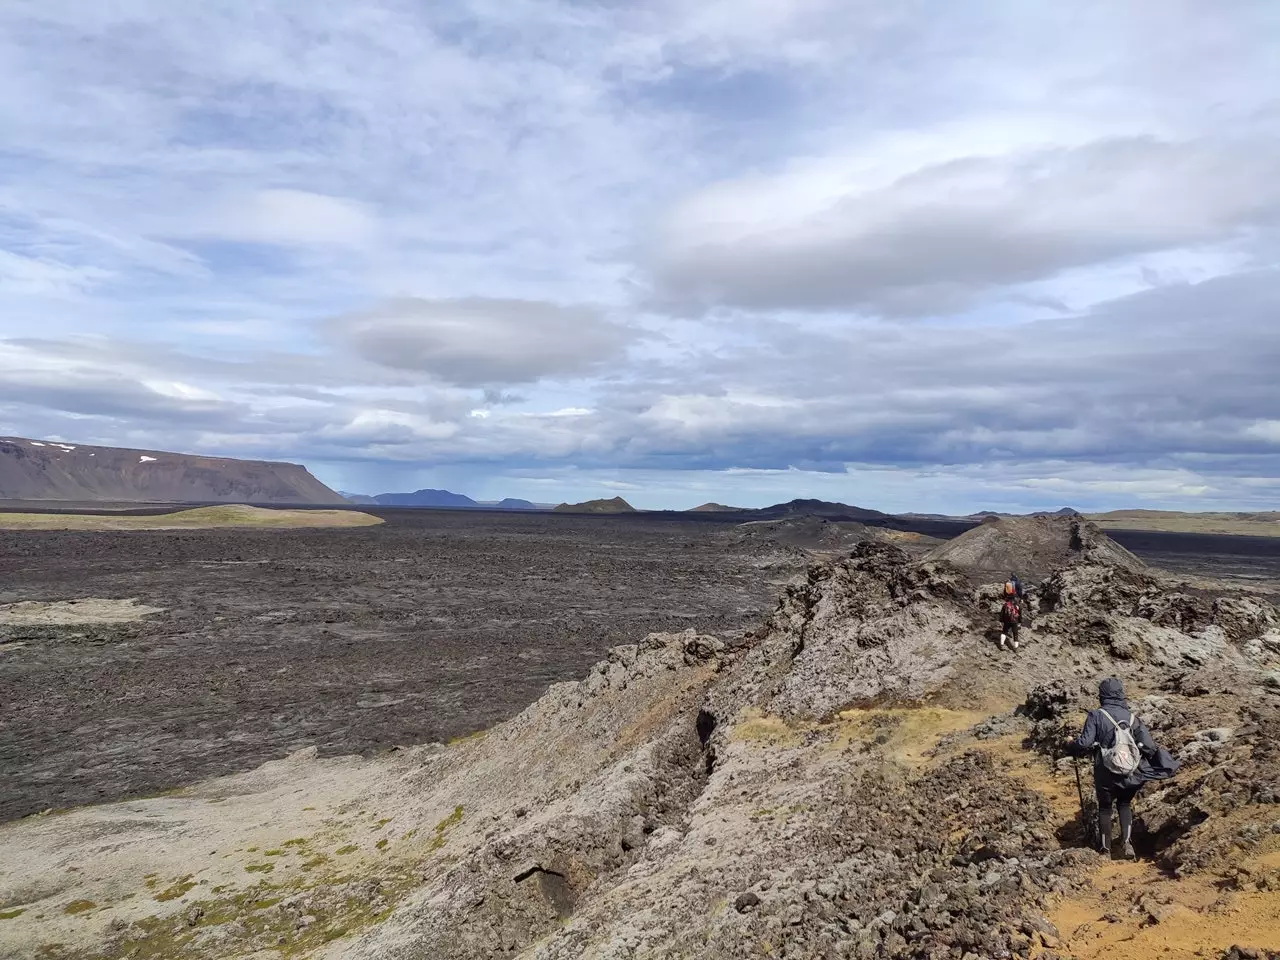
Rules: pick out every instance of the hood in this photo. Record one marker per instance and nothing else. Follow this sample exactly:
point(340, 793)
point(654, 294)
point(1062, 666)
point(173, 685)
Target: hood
point(1111, 690)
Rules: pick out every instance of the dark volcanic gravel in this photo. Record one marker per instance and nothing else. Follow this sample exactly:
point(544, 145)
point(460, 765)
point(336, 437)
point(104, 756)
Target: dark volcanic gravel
point(431, 626)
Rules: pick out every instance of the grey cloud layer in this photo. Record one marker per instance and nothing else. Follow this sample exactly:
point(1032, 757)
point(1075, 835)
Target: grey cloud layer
point(939, 237)
point(481, 342)
point(1182, 374)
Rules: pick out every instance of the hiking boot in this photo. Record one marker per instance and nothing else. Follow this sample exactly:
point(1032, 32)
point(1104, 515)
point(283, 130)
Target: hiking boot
point(1002, 646)
point(1015, 644)
point(1128, 853)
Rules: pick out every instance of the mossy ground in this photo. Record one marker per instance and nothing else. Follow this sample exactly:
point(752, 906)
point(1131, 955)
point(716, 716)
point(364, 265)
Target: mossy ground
point(227, 515)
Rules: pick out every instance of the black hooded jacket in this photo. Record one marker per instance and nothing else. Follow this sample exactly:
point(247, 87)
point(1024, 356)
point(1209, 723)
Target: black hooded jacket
point(1099, 733)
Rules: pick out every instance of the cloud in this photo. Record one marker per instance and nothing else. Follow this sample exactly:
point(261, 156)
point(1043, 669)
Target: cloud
point(290, 218)
point(1171, 371)
point(44, 276)
point(480, 342)
point(939, 236)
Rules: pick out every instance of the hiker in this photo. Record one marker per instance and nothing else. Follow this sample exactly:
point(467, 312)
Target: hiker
point(1010, 619)
point(1014, 588)
point(1119, 742)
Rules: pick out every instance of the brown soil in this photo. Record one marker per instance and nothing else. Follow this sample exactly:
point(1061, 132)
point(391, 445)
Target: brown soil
point(1136, 911)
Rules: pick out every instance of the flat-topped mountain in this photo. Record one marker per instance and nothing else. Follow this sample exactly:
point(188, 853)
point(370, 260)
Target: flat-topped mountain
point(425, 498)
point(612, 505)
point(49, 470)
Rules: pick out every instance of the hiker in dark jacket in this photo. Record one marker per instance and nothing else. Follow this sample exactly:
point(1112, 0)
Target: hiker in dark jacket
point(1099, 733)
point(1010, 621)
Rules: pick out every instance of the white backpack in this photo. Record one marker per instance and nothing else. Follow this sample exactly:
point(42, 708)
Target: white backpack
point(1122, 757)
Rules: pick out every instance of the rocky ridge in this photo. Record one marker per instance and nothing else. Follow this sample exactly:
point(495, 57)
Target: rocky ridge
point(864, 775)
point(1032, 547)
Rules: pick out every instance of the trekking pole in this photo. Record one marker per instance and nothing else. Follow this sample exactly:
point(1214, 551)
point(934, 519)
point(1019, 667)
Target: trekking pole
point(1090, 829)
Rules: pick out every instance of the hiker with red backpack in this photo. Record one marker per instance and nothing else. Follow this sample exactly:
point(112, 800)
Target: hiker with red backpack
point(1011, 613)
point(1125, 757)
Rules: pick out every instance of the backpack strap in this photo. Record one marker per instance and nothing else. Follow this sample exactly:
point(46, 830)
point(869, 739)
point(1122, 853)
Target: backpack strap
point(1125, 723)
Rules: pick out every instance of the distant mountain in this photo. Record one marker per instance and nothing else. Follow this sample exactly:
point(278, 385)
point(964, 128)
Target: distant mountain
point(716, 508)
point(49, 470)
point(817, 508)
point(614, 505)
point(984, 515)
point(425, 498)
point(443, 498)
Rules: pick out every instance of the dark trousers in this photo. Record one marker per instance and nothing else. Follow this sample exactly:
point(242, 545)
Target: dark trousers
point(1122, 797)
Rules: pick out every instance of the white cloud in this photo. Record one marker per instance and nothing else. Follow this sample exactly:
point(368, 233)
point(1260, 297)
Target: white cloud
point(940, 235)
point(1268, 430)
point(41, 277)
point(290, 218)
point(481, 342)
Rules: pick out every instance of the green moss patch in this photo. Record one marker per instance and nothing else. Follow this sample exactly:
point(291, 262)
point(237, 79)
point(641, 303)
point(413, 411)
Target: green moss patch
point(11, 914)
point(452, 820)
point(179, 889)
point(260, 867)
point(79, 906)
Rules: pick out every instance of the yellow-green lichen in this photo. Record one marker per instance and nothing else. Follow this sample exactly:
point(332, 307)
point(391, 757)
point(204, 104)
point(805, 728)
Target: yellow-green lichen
point(260, 867)
point(179, 889)
point(79, 906)
point(12, 914)
point(452, 820)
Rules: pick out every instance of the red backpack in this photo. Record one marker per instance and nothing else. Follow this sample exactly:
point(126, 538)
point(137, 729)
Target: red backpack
point(1011, 612)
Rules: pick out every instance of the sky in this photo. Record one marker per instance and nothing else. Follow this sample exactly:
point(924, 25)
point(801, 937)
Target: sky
point(926, 255)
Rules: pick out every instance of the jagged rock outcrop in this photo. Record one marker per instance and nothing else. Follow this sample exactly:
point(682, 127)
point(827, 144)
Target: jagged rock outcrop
point(858, 630)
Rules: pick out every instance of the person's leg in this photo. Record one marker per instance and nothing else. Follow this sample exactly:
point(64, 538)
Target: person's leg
point(1013, 634)
point(1104, 819)
point(1124, 801)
